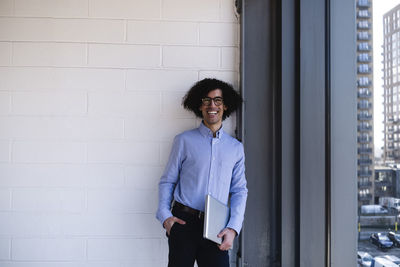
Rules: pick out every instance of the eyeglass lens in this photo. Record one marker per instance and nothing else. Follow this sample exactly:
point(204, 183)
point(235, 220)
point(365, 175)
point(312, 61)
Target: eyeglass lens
point(207, 101)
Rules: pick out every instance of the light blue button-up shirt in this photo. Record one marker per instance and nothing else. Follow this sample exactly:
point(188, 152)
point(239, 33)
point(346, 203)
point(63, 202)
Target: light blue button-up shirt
point(200, 164)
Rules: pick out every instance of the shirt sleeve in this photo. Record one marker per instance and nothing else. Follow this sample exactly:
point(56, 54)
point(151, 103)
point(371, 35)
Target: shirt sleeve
point(169, 180)
point(238, 191)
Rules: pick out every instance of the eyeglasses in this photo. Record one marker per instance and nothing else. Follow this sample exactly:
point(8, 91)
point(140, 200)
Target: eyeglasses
point(217, 101)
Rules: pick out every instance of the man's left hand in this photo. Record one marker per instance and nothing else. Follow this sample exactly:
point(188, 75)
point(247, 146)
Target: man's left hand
point(228, 235)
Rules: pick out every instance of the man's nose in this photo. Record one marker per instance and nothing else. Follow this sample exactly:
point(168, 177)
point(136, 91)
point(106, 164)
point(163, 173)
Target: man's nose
point(212, 104)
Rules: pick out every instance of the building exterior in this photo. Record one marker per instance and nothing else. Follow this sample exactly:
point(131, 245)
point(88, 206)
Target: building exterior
point(391, 76)
point(364, 106)
point(386, 182)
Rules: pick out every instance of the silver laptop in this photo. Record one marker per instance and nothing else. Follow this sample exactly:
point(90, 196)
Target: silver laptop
point(216, 216)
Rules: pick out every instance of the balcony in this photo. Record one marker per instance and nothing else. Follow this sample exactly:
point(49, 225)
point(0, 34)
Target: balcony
point(364, 173)
point(363, 14)
point(364, 139)
point(364, 58)
point(363, 185)
point(364, 105)
point(364, 117)
point(364, 95)
point(364, 81)
point(364, 47)
point(363, 4)
point(364, 161)
point(381, 193)
point(364, 150)
point(363, 36)
point(364, 128)
point(383, 183)
point(364, 69)
point(365, 197)
point(363, 25)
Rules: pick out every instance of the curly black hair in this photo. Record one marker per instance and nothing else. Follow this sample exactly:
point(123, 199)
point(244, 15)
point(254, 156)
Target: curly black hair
point(192, 100)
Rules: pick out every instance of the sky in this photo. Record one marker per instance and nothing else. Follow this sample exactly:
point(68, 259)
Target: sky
point(379, 8)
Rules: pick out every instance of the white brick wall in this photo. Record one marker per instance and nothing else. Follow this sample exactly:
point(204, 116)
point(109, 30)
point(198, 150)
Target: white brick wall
point(191, 57)
point(50, 8)
point(38, 199)
point(5, 200)
point(5, 54)
point(191, 10)
point(49, 103)
point(5, 248)
point(210, 34)
point(106, 55)
point(90, 94)
point(62, 30)
point(48, 152)
point(61, 79)
point(127, 9)
point(4, 151)
point(57, 249)
point(6, 7)
point(157, 32)
point(167, 80)
point(4, 103)
point(49, 54)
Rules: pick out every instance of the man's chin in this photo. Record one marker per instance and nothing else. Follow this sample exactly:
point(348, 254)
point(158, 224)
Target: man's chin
point(212, 122)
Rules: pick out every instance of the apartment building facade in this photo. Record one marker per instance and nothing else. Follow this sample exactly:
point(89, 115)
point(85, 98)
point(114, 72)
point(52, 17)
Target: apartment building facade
point(391, 49)
point(365, 103)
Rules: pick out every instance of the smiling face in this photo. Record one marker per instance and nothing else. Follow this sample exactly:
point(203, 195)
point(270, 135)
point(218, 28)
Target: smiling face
point(212, 114)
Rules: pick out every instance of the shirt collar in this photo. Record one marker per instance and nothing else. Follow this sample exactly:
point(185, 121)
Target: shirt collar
point(206, 132)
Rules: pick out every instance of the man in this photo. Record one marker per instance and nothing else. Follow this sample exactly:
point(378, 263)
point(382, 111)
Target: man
point(205, 160)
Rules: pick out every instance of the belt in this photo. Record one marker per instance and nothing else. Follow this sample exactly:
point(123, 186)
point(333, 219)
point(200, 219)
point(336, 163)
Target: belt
point(184, 208)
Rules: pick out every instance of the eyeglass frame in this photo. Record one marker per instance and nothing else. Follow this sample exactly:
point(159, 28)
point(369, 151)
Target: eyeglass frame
point(213, 100)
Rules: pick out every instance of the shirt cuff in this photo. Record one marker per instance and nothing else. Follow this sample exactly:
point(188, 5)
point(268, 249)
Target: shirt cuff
point(162, 216)
point(237, 228)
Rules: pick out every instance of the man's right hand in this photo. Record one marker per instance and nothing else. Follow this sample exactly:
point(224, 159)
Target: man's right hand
point(170, 221)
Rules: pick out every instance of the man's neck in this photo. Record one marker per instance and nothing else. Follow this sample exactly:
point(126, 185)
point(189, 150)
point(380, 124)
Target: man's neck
point(213, 127)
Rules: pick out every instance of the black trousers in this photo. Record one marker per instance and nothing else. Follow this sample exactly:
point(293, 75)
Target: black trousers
point(186, 244)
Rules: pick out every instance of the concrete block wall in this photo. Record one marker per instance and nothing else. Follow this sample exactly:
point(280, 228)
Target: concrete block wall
point(90, 94)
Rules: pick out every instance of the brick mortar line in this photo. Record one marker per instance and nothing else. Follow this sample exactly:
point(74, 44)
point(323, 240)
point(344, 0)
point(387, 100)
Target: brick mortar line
point(168, 68)
point(120, 19)
point(127, 44)
point(85, 237)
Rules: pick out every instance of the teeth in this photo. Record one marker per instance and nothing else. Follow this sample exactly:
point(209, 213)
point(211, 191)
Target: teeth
point(212, 112)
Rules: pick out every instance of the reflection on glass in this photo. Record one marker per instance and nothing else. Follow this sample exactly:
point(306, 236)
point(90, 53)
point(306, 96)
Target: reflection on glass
point(378, 131)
